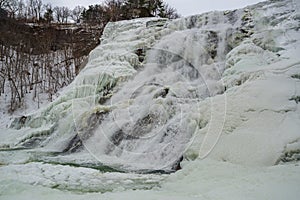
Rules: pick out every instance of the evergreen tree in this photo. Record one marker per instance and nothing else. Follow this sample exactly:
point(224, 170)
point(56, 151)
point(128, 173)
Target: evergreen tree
point(48, 15)
point(114, 10)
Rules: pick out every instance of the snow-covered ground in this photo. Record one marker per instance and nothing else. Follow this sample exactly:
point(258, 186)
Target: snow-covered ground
point(201, 179)
point(219, 91)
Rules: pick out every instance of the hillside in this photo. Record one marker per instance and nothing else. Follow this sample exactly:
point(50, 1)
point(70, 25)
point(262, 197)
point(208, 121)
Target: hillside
point(37, 38)
point(39, 59)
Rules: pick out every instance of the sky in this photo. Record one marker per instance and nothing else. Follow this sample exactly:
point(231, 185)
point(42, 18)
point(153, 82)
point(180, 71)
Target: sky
point(184, 7)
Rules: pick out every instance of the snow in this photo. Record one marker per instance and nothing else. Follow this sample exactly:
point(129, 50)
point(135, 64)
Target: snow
point(77, 178)
point(221, 97)
point(201, 179)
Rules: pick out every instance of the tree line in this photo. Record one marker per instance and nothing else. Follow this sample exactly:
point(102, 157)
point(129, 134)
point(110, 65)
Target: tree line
point(109, 10)
point(115, 10)
point(36, 11)
point(22, 73)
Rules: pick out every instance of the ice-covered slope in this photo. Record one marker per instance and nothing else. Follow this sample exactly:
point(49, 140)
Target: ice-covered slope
point(221, 86)
point(155, 91)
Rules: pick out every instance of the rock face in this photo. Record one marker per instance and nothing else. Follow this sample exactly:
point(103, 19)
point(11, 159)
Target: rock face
point(223, 85)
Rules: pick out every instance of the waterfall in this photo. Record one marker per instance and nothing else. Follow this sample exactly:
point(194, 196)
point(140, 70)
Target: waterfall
point(154, 91)
point(150, 124)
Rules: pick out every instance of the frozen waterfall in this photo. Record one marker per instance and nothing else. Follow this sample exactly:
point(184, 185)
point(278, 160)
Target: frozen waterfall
point(148, 121)
point(157, 91)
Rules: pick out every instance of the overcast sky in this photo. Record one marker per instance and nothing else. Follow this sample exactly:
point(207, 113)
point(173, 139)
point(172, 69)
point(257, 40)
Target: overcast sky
point(184, 7)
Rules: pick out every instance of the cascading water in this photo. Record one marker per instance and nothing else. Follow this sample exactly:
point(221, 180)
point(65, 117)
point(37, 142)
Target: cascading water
point(150, 124)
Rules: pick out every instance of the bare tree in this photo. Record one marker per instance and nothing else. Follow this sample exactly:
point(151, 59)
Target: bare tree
point(21, 9)
point(30, 8)
point(4, 4)
point(12, 8)
point(66, 13)
point(170, 12)
point(58, 12)
point(76, 13)
point(38, 8)
point(114, 9)
point(48, 15)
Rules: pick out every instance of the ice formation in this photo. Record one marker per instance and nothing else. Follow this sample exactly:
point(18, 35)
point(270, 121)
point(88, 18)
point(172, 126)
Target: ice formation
point(222, 86)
